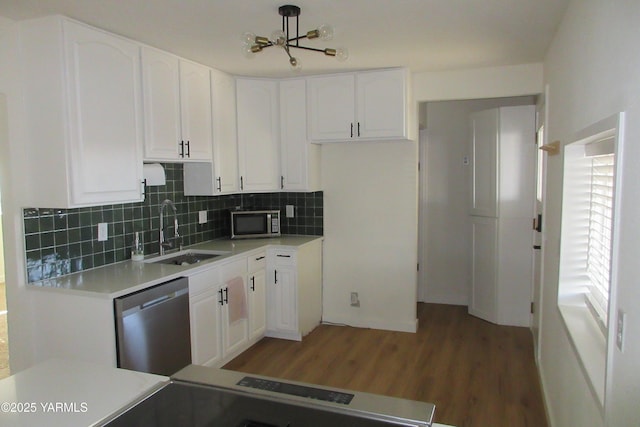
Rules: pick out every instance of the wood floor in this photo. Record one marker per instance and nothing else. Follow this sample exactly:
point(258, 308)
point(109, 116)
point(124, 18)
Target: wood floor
point(477, 374)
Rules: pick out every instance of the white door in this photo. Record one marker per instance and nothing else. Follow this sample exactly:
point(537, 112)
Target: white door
point(484, 252)
point(484, 163)
point(537, 238)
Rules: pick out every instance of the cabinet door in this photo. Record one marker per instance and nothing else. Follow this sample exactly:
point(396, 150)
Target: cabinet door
point(105, 124)
point(205, 305)
point(258, 134)
point(161, 96)
point(283, 302)
point(483, 301)
point(235, 313)
point(331, 114)
point(225, 138)
point(206, 346)
point(195, 102)
point(381, 104)
point(293, 134)
point(257, 303)
point(484, 165)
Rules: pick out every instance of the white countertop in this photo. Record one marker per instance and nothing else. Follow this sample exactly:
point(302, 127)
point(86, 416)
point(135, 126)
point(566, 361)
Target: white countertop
point(65, 393)
point(114, 280)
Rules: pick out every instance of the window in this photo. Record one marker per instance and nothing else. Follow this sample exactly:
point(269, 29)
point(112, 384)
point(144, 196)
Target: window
point(598, 262)
point(587, 243)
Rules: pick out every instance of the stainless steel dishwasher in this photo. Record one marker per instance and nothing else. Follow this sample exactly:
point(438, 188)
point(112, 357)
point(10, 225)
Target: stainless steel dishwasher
point(153, 330)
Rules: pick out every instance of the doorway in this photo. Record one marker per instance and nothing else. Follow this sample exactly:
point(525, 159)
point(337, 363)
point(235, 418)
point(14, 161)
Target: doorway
point(444, 192)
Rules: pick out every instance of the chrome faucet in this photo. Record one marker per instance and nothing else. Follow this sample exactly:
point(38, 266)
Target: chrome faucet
point(176, 237)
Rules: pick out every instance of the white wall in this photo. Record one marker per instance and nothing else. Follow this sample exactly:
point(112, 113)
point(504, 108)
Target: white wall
point(444, 198)
point(492, 82)
point(593, 71)
point(22, 347)
point(370, 230)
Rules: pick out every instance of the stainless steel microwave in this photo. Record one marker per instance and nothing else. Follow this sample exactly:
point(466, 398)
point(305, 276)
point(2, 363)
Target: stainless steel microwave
point(252, 224)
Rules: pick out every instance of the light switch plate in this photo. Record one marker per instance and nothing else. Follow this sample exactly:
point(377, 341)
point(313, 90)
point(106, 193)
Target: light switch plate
point(103, 231)
point(290, 211)
point(202, 217)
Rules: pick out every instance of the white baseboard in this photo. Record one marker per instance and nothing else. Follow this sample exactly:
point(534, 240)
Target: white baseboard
point(408, 326)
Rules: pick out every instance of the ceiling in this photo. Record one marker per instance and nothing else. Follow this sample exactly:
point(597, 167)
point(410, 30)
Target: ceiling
point(424, 35)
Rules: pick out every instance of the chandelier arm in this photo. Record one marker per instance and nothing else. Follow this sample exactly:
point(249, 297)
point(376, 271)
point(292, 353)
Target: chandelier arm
point(305, 48)
point(295, 39)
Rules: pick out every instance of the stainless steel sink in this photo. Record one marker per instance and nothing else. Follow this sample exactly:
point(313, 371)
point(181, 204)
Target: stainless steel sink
point(186, 257)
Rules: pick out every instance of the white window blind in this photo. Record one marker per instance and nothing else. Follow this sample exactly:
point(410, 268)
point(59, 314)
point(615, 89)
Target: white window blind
point(600, 225)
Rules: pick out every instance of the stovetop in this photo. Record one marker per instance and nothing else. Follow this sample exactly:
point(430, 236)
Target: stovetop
point(200, 397)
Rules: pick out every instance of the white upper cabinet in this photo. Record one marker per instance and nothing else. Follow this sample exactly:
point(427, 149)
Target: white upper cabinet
point(195, 96)
point(258, 134)
point(177, 107)
point(367, 106)
point(381, 110)
point(220, 176)
point(331, 108)
point(161, 87)
point(83, 115)
point(300, 160)
point(225, 137)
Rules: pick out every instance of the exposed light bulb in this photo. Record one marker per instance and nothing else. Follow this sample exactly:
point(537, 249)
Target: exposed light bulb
point(295, 63)
point(248, 38)
point(342, 54)
point(248, 52)
point(325, 32)
point(278, 38)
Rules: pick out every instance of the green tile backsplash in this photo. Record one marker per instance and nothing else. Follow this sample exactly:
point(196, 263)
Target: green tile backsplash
point(63, 241)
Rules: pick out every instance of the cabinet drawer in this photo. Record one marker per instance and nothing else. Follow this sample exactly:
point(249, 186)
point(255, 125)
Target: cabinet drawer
point(203, 281)
point(257, 262)
point(284, 257)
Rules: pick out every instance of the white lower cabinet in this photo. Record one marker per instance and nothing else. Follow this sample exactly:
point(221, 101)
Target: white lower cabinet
point(294, 290)
point(257, 281)
point(205, 313)
point(235, 311)
point(283, 308)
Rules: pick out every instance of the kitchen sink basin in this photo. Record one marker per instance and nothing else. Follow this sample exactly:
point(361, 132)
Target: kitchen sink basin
point(186, 257)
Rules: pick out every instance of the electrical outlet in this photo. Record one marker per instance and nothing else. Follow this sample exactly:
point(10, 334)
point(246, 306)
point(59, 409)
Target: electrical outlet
point(103, 231)
point(622, 317)
point(202, 217)
point(355, 302)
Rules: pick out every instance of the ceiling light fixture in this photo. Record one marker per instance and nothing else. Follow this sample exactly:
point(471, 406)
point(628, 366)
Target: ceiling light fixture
point(284, 39)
